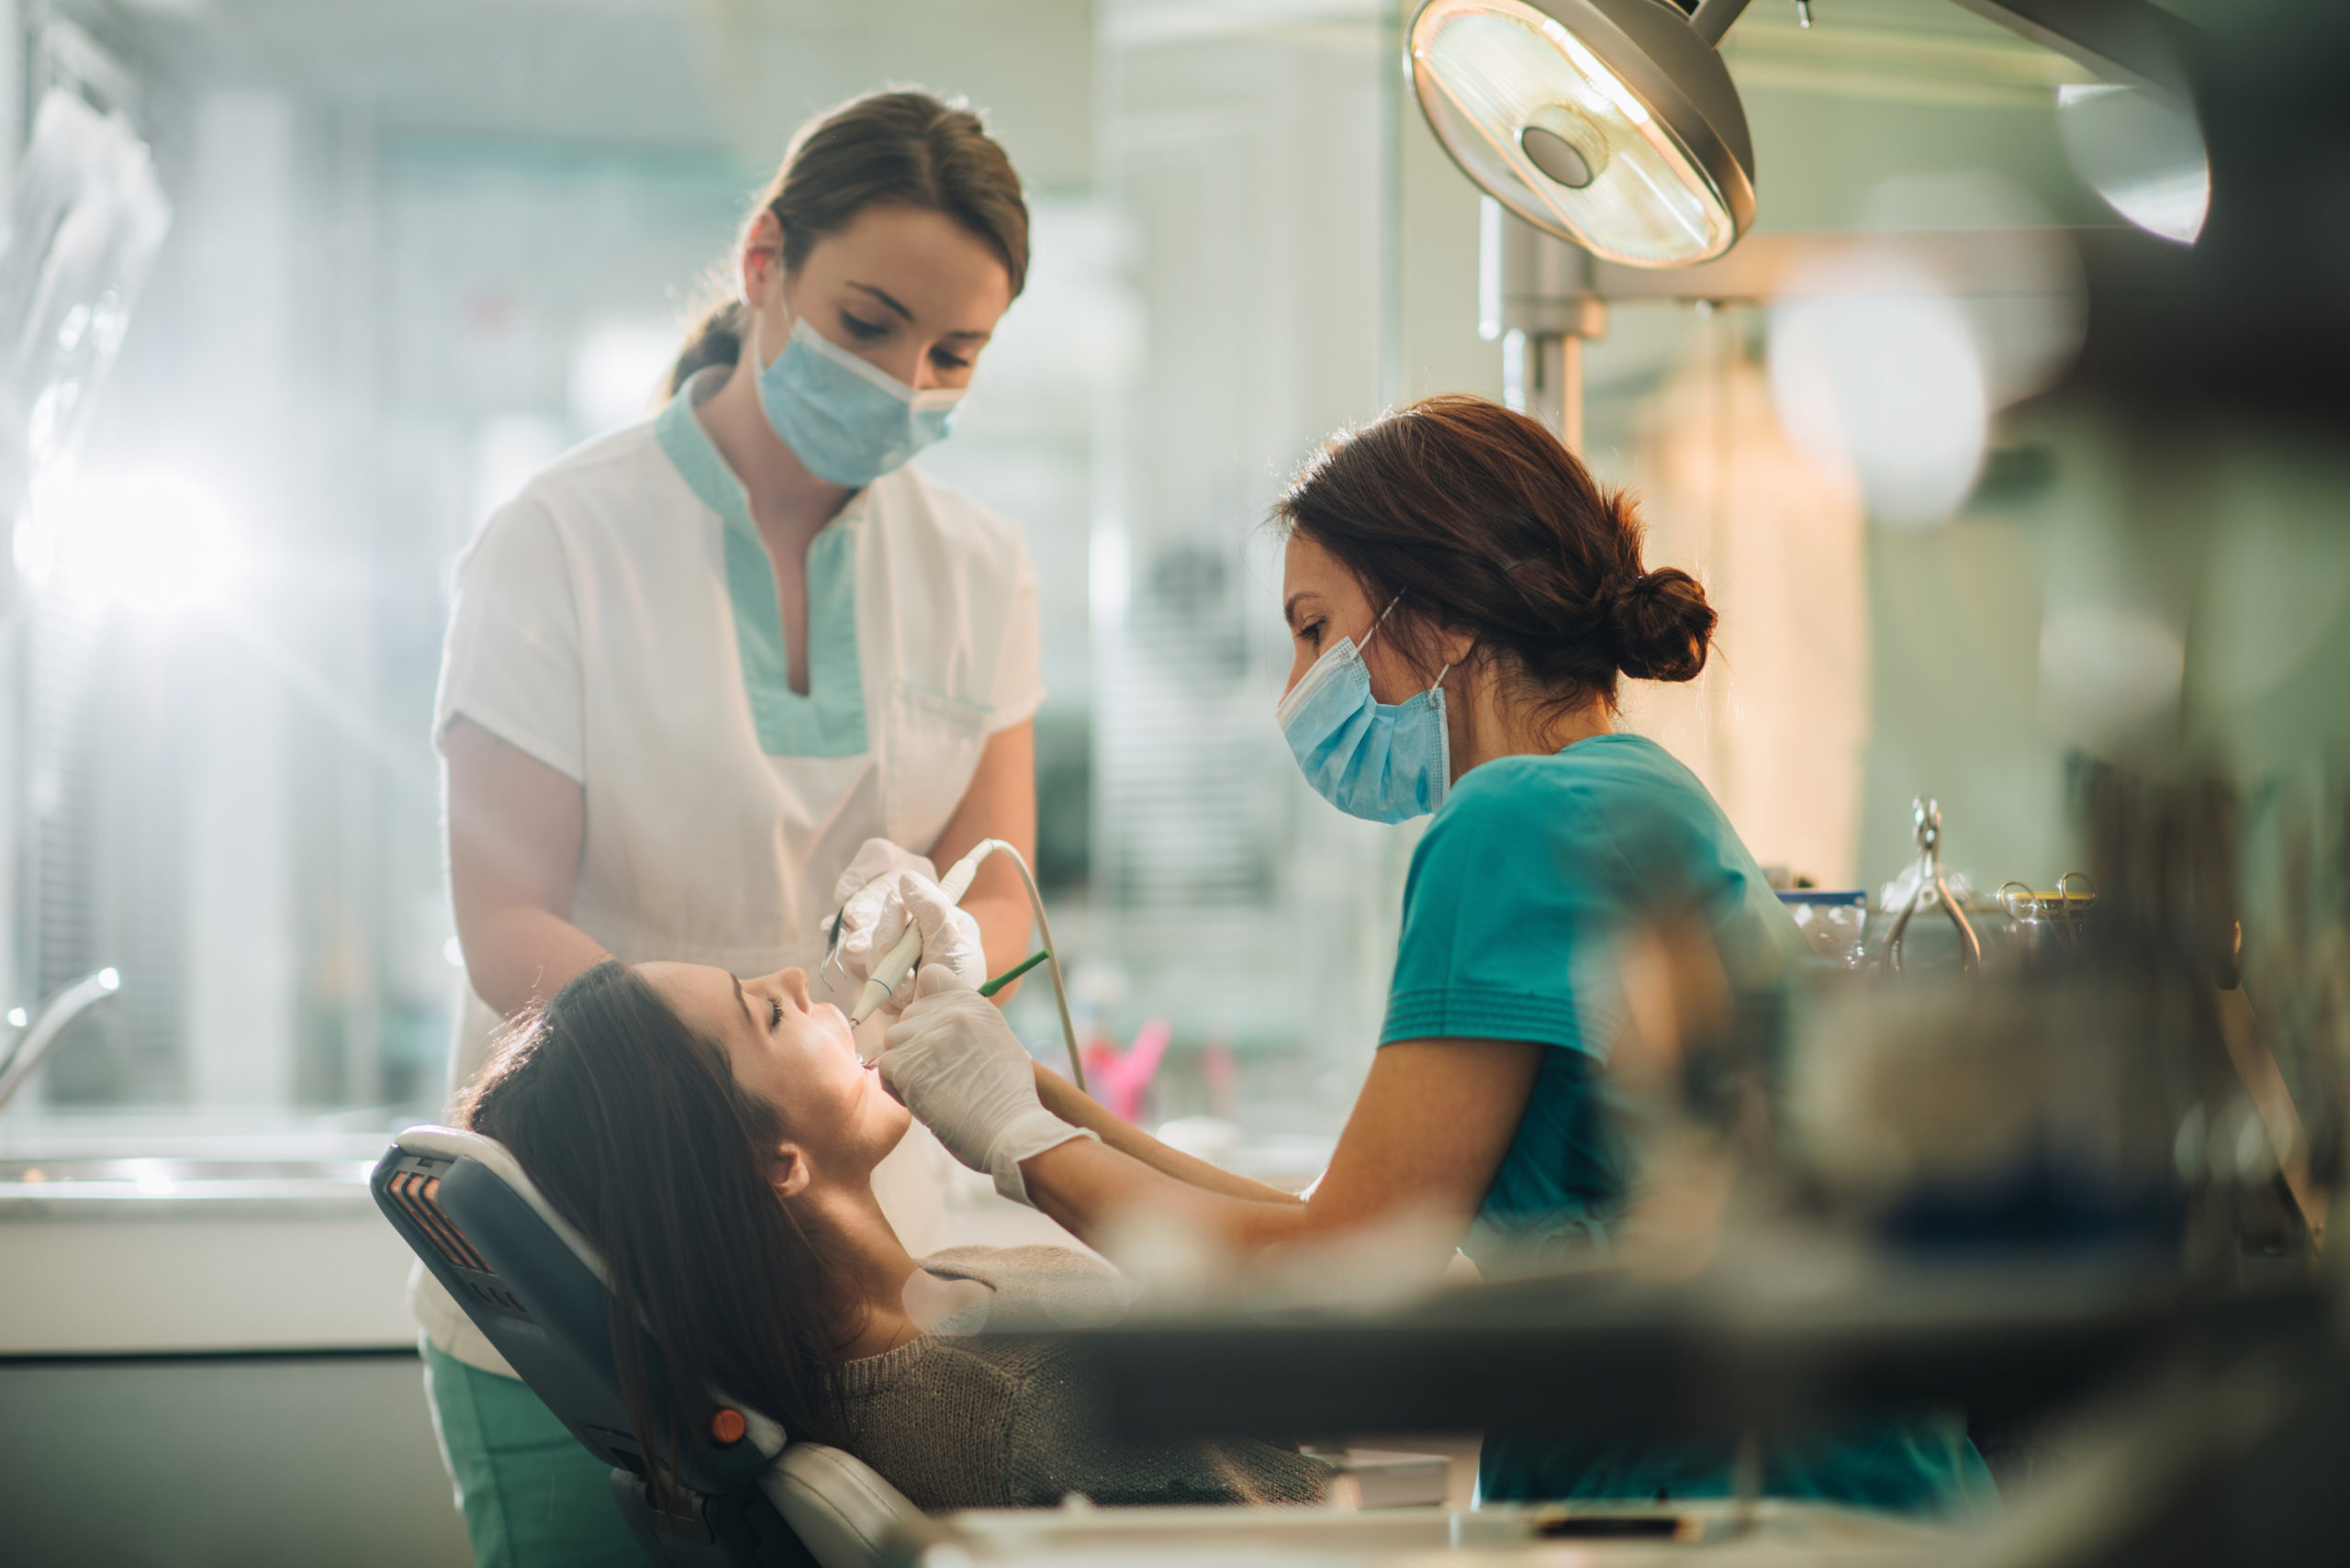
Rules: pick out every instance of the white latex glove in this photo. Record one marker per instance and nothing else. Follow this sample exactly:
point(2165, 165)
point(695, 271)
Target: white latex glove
point(860, 894)
point(953, 958)
point(872, 894)
point(958, 1066)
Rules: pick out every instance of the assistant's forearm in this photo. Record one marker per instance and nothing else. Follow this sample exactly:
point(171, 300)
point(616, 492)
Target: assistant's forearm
point(1061, 1097)
point(519, 953)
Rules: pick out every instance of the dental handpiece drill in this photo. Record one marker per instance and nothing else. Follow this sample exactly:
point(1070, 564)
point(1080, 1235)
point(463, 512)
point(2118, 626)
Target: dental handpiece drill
point(883, 981)
point(955, 884)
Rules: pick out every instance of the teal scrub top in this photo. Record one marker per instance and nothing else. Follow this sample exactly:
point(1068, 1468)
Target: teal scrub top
point(1529, 874)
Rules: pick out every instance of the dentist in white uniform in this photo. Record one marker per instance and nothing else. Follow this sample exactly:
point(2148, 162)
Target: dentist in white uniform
point(698, 668)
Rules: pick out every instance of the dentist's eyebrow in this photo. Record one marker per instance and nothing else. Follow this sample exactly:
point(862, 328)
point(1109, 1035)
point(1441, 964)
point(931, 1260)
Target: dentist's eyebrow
point(1289, 610)
point(744, 1002)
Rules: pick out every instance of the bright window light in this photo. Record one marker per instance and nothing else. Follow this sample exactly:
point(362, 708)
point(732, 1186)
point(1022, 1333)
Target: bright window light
point(617, 369)
point(1875, 372)
point(152, 546)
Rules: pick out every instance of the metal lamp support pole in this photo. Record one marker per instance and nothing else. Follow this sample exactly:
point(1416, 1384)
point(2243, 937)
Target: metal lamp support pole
point(1713, 17)
point(1535, 297)
point(1563, 368)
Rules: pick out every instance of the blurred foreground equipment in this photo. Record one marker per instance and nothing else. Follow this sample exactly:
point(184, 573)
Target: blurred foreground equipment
point(2091, 1188)
point(2093, 1179)
point(1586, 1536)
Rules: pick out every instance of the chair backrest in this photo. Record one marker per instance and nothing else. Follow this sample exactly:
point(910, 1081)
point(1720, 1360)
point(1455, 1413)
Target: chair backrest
point(537, 1291)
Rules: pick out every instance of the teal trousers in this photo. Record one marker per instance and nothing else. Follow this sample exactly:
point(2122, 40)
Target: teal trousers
point(532, 1496)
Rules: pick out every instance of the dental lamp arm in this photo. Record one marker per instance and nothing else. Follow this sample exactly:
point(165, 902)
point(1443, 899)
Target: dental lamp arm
point(2134, 43)
point(1712, 18)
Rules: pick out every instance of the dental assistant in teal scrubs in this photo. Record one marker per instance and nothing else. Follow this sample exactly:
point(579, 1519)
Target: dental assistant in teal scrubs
point(1463, 600)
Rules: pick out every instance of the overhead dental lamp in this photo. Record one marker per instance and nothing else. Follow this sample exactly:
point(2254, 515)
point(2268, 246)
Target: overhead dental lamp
point(1614, 124)
point(1609, 123)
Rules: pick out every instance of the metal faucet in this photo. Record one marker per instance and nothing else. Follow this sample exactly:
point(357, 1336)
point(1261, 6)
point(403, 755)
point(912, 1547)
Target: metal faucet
point(61, 1006)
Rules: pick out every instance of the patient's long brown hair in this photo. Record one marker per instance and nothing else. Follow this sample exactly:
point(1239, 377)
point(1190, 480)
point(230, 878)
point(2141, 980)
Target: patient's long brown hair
point(633, 1127)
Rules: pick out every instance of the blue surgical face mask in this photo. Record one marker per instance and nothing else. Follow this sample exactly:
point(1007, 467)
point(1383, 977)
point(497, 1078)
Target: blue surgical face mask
point(1386, 762)
point(848, 420)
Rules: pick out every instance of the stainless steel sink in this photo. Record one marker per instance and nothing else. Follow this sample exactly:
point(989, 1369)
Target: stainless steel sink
point(147, 1180)
point(230, 1243)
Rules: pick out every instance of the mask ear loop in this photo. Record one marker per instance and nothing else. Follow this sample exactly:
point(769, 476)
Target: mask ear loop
point(1383, 620)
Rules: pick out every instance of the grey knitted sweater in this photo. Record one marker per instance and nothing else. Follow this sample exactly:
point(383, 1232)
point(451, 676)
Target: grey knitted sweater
point(960, 1419)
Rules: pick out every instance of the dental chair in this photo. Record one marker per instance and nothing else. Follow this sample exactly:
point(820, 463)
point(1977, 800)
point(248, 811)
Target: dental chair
point(742, 1493)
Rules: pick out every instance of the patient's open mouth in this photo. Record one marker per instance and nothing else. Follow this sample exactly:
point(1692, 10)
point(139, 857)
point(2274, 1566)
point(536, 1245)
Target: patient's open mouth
point(840, 1027)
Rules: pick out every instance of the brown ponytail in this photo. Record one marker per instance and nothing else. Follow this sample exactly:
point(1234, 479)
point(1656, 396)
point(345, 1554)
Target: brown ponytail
point(716, 338)
point(1496, 529)
point(898, 149)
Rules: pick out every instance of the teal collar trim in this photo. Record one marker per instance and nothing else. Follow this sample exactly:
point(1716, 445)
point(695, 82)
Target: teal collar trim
point(829, 720)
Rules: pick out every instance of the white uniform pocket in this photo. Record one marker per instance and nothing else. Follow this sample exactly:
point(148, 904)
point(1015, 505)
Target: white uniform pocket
point(931, 748)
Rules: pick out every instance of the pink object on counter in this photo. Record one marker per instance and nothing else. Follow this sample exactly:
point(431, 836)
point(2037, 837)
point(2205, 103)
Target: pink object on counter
point(1119, 1078)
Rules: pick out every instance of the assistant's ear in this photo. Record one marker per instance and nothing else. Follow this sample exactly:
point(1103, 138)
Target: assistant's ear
point(787, 1170)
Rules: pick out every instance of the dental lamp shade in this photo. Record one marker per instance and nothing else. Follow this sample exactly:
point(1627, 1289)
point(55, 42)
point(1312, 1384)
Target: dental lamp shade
point(1609, 123)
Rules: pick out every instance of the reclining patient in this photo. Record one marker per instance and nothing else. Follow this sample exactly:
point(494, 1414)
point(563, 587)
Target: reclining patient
point(715, 1139)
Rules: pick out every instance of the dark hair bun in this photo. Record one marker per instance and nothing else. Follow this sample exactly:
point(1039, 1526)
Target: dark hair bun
point(1663, 626)
point(1498, 531)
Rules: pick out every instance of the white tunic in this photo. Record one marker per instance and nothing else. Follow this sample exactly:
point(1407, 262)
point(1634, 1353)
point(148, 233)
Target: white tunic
point(618, 622)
